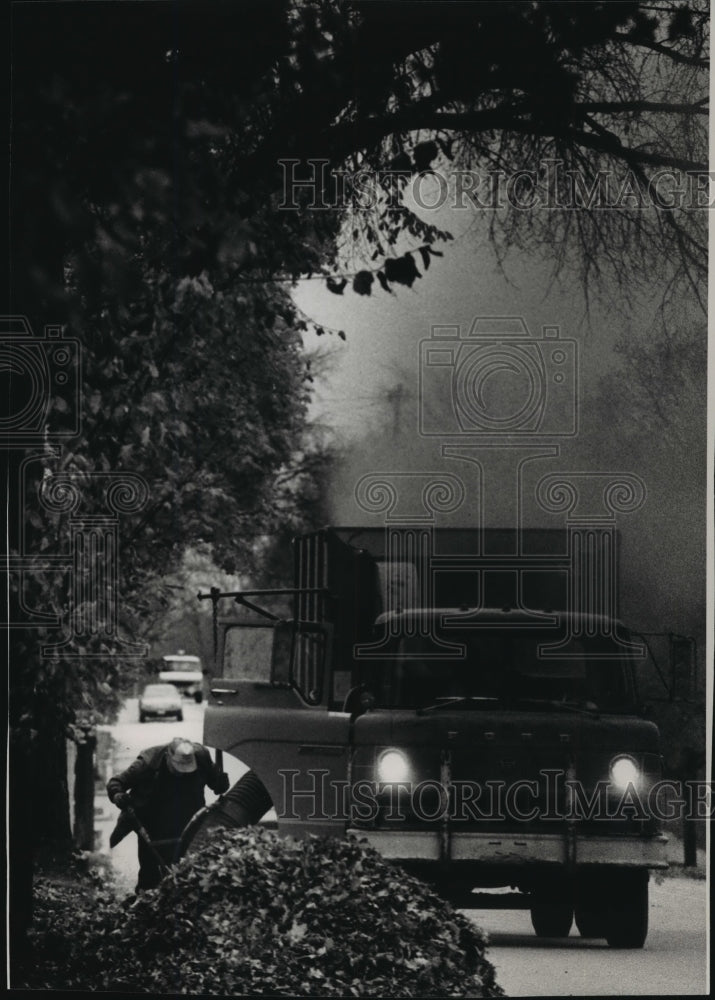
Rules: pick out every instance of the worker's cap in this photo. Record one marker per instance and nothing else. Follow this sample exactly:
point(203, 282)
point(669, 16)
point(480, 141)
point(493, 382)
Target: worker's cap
point(181, 757)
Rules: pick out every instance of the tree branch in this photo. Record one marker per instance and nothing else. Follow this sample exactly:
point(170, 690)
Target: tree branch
point(696, 108)
point(663, 50)
point(497, 118)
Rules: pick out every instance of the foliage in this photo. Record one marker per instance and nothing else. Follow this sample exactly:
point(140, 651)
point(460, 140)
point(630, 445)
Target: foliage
point(253, 914)
point(551, 101)
point(202, 396)
point(201, 106)
point(148, 215)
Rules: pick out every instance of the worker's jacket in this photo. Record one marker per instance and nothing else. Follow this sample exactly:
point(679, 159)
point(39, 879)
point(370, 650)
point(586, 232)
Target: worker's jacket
point(163, 801)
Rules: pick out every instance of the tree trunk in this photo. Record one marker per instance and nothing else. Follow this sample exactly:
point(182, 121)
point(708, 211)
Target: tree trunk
point(690, 763)
point(690, 844)
point(20, 838)
point(84, 790)
point(50, 789)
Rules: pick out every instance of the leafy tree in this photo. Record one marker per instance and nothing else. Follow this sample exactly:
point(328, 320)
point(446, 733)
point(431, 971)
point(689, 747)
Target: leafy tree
point(176, 119)
point(200, 395)
point(208, 407)
point(147, 191)
point(148, 214)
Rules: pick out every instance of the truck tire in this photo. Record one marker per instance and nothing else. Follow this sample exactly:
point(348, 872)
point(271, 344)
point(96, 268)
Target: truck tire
point(594, 887)
point(627, 920)
point(198, 697)
point(142, 717)
point(551, 920)
point(590, 921)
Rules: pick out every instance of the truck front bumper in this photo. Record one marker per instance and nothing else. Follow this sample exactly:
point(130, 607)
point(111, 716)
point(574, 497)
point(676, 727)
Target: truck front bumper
point(517, 849)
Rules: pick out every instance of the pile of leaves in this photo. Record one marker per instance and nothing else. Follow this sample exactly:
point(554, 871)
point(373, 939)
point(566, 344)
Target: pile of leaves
point(255, 914)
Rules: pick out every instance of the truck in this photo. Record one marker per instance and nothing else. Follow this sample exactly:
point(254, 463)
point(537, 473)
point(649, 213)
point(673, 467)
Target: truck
point(184, 671)
point(459, 700)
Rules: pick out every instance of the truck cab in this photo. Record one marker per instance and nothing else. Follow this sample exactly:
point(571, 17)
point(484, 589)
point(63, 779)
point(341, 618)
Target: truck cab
point(480, 747)
point(184, 672)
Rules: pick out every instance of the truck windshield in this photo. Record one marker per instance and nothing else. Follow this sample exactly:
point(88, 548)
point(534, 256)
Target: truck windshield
point(505, 666)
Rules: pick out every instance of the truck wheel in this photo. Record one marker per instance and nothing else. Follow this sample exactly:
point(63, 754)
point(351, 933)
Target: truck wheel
point(198, 697)
point(627, 925)
point(590, 921)
point(552, 920)
point(142, 717)
point(594, 888)
point(179, 716)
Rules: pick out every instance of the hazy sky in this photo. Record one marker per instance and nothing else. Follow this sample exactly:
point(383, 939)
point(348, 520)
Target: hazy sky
point(383, 331)
point(663, 543)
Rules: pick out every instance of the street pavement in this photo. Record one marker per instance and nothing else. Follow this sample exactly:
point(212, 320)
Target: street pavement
point(672, 963)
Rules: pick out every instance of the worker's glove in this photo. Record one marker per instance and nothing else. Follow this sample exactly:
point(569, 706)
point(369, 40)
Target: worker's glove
point(222, 784)
point(122, 800)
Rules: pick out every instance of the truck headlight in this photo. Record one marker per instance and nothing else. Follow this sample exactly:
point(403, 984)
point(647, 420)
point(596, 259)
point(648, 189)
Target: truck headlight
point(624, 772)
point(392, 766)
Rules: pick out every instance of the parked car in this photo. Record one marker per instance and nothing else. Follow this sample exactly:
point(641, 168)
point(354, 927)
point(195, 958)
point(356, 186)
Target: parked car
point(160, 700)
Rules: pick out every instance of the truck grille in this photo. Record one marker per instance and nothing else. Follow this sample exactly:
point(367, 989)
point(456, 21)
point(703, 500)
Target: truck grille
point(496, 788)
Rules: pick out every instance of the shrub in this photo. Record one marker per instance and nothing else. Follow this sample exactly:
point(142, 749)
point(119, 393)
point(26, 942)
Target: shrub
point(252, 913)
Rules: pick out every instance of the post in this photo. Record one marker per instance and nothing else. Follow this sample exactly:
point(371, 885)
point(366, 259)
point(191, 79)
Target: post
point(85, 738)
point(21, 775)
point(691, 761)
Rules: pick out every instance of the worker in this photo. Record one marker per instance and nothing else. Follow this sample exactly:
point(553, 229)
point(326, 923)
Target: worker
point(163, 788)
